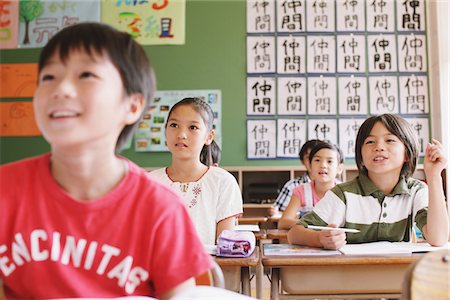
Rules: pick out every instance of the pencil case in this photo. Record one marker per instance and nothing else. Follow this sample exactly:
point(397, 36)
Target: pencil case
point(232, 243)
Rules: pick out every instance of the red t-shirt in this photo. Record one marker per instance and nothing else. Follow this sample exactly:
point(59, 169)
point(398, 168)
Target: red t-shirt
point(136, 240)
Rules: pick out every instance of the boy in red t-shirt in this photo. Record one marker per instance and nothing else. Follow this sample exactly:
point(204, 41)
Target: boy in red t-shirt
point(82, 221)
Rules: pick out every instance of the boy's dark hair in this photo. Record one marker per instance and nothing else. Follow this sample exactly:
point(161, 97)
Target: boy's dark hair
point(207, 115)
point(125, 53)
point(327, 145)
point(398, 127)
point(212, 156)
point(307, 145)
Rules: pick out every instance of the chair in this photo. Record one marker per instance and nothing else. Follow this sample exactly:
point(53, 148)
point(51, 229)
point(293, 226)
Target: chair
point(428, 278)
point(212, 277)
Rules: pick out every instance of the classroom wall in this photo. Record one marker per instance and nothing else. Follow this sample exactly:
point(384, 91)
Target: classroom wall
point(212, 58)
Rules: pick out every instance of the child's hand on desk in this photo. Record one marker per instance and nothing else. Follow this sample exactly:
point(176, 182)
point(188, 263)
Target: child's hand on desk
point(273, 210)
point(332, 239)
point(434, 160)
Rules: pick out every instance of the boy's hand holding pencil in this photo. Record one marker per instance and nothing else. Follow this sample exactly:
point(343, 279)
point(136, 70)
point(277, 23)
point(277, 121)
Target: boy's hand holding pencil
point(332, 239)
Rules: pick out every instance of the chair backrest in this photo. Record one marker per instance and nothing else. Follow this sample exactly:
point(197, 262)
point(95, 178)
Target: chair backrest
point(428, 278)
point(212, 277)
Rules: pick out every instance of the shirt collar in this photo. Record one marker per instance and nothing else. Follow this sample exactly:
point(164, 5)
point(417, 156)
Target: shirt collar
point(369, 188)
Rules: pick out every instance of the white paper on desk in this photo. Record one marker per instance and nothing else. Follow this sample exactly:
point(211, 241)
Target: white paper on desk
point(383, 248)
point(296, 250)
point(211, 249)
point(375, 248)
point(420, 247)
point(247, 227)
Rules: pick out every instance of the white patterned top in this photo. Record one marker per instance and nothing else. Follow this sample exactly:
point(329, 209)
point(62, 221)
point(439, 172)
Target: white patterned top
point(214, 197)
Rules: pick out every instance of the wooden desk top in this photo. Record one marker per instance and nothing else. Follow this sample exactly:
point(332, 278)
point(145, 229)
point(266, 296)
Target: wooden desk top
point(250, 261)
point(322, 260)
point(252, 220)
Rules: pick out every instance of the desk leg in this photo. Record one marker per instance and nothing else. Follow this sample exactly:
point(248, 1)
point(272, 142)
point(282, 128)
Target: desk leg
point(245, 275)
point(259, 277)
point(274, 286)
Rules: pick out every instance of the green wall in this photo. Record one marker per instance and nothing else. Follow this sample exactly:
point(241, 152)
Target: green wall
point(213, 57)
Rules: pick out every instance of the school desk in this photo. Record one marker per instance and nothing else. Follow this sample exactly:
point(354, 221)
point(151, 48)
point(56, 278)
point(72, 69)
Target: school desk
point(338, 276)
point(229, 264)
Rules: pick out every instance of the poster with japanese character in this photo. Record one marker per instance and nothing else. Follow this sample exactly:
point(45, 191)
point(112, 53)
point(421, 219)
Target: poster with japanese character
point(260, 16)
point(322, 96)
point(291, 15)
point(261, 54)
point(291, 96)
point(261, 95)
point(380, 15)
point(413, 94)
point(350, 15)
point(351, 54)
point(291, 55)
point(261, 139)
point(383, 95)
point(421, 128)
point(42, 19)
point(352, 95)
point(320, 15)
point(382, 53)
point(154, 22)
point(412, 53)
point(348, 130)
point(323, 129)
point(291, 135)
point(411, 15)
point(321, 55)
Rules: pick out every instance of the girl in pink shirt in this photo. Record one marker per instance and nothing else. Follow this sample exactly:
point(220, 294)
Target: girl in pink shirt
point(326, 162)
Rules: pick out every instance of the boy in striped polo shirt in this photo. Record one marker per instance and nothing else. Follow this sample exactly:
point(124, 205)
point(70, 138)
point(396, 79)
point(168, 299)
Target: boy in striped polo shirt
point(383, 202)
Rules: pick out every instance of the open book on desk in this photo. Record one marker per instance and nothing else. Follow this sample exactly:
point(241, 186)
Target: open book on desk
point(296, 250)
point(384, 247)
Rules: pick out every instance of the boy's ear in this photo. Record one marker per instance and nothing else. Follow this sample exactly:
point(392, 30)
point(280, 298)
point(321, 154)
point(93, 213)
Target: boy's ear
point(135, 106)
point(210, 137)
point(340, 169)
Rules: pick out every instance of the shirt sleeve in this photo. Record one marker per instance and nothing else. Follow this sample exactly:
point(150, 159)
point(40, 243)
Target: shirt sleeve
point(420, 206)
point(329, 210)
point(177, 253)
point(285, 195)
point(230, 198)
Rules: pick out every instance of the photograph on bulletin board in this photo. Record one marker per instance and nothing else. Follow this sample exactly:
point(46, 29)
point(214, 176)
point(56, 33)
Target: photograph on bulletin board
point(150, 135)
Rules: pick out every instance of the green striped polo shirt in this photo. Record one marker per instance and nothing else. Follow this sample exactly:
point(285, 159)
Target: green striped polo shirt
point(360, 204)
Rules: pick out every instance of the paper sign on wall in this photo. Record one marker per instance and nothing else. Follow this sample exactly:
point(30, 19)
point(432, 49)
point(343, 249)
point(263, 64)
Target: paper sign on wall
point(17, 119)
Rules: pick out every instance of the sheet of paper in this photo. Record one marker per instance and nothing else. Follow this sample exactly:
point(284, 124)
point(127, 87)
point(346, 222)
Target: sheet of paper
point(295, 250)
point(211, 249)
point(382, 248)
point(247, 227)
point(375, 248)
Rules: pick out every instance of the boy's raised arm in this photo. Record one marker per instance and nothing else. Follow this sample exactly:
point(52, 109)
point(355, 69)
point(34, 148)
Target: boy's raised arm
point(436, 231)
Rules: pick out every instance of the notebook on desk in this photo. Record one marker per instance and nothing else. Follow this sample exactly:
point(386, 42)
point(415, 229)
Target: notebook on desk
point(296, 250)
point(384, 247)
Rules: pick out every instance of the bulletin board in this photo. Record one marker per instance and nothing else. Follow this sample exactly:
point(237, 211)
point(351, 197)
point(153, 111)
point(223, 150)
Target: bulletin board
point(316, 69)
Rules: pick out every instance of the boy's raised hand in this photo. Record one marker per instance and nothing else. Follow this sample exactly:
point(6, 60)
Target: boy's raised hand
point(332, 239)
point(435, 159)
